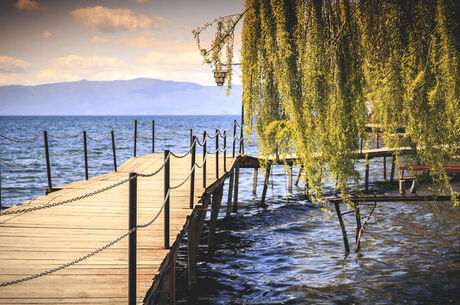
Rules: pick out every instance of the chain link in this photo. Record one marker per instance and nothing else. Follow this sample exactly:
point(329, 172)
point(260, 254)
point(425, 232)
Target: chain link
point(21, 141)
point(158, 170)
point(23, 165)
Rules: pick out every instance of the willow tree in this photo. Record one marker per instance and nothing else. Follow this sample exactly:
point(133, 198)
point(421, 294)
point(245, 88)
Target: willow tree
point(315, 72)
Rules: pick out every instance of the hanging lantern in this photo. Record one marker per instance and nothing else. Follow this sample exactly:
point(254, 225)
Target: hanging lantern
point(220, 75)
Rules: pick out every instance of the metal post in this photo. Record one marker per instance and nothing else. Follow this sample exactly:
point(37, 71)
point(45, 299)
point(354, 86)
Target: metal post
point(132, 250)
point(153, 137)
point(192, 177)
point(217, 154)
point(191, 136)
point(135, 137)
point(114, 152)
point(85, 148)
point(204, 157)
point(48, 165)
point(225, 150)
point(167, 198)
point(234, 138)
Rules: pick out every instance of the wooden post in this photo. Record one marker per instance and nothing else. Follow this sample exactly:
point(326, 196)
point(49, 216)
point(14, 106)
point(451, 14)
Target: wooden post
point(172, 281)
point(237, 181)
point(230, 193)
point(192, 177)
point(191, 136)
point(366, 177)
point(254, 182)
point(153, 137)
point(135, 138)
point(191, 252)
point(402, 186)
point(342, 226)
point(234, 138)
point(361, 143)
point(217, 154)
point(267, 176)
point(392, 173)
point(378, 140)
point(290, 179)
point(413, 188)
point(385, 168)
point(225, 150)
point(167, 198)
point(85, 149)
point(48, 165)
point(0, 186)
point(297, 180)
point(132, 248)
point(215, 207)
point(204, 159)
point(358, 225)
point(114, 152)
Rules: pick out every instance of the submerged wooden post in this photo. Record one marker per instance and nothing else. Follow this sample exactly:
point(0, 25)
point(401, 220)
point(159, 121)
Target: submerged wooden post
point(132, 244)
point(385, 168)
point(204, 159)
point(153, 137)
point(254, 182)
point(358, 226)
point(264, 191)
point(290, 179)
point(366, 178)
point(192, 177)
point(342, 227)
point(237, 181)
point(114, 152)
point(135, 138)
point(392, 173)
point(297, 180)
point(167, 198)
point(191, 252)
point(230, 193)
point(85, 150)
point(48, 164)
point(215, 207)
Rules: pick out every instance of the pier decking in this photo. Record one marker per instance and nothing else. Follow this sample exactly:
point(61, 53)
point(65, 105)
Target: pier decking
point(40, 240)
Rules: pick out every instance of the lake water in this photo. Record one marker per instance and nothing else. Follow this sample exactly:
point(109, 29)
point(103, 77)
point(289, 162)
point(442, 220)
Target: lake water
point(286, 253)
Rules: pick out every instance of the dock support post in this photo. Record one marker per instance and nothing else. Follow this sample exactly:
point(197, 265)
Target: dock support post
point(342, 227)
point(153, 137)
point(114, 152)
point(392, 173)
point(191, 253)
point(290, 179)
point(234, 138)
point(217, 154)
point(215, 207)
point(358, 226)
point(135, 138)
point(85, 149)
point(204, 159)
point(402, 186)
point(385, 168)
point(192, 177)
point(267, 176)
point(230, 193)
point(48, 165)
point(237, 182)
point(366, 178)
point(132, 239)
point(225, 150)
point(167, 197)
point(254, 182)
point(297, 180)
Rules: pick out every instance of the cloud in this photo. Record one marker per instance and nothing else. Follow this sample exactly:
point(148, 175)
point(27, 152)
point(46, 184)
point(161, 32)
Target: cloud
point(150, 41)
point(98, 39)
point(109, 20)
point(47, 34)
point(13, 65)
point(28, 5)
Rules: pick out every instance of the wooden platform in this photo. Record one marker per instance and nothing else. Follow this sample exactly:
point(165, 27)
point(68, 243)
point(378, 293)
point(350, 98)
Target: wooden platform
point(34, 242)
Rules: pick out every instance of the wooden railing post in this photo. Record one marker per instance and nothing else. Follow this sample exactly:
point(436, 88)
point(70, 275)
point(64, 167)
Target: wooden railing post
point(153, 137)
point(132, 248)
point(135, 138)
point(85, 148)
point(48, 165)
point(225, 150)
point(204, 159)
point(167, 197)
point(192, 177)
point(234, 138)
point(114, 152)
point(217, 154)
point(191, 136)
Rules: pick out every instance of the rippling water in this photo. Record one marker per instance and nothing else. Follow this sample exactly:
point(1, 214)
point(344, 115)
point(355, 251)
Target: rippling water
point(286, 253)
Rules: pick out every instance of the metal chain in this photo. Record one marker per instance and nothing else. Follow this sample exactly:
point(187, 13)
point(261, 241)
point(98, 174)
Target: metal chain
point(67, 155)
point(212, 137)
point(158, 170)
point(158, 214)
point(65, 137)
point(21, 141)
point(199, 143)
point(185, 180)
point(22, 165)
point(187, 153)
point(202, 163)
point(54, 204)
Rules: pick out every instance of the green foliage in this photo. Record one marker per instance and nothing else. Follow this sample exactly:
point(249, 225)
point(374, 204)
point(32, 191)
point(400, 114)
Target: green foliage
point(315, 72)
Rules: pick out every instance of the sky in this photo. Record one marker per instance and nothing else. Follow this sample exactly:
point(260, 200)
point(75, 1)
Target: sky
point(48, 41)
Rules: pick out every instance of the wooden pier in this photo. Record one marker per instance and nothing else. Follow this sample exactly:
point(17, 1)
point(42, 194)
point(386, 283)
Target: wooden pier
point(113, 239)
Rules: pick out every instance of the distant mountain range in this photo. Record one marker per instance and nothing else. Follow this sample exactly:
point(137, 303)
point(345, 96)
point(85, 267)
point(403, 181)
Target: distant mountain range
point(140, 96)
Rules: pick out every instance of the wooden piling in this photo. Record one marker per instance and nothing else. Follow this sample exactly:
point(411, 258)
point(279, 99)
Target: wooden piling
point(358, 226)
point(215, 208)
point(237, 181)
point(290, 179)
point(230, 193)
point(342, 227)
point(264, 191)
point(297, 180)
point(192, 242)
point(366, 177)
point(385, 168)
point(392, 173)
point(254, 182)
